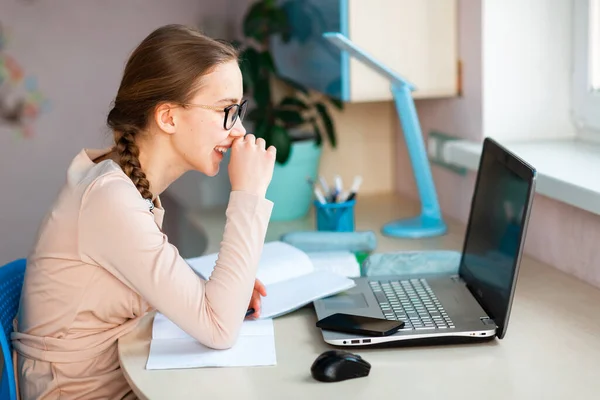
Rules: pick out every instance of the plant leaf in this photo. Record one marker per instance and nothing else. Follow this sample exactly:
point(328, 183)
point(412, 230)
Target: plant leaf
point(266, 62)
point(290, 118)
point(318, 135)
point(299, 87)
point(278, 21)
point(262, 92)
point(336, 102)
point(254, 24)
point(327, 122)
point(265, 19)
point(293, 102)
point(249, 65)
point(261, 129)
point(255, 114)
point(280, 138)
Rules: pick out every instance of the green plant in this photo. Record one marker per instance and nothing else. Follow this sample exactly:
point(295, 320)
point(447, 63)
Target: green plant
point(278, 119)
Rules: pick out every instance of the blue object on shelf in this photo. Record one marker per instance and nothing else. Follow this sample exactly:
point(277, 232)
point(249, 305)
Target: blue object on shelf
point(310, 241)
point(430, 222)
point(406, 263)
point(337, 217)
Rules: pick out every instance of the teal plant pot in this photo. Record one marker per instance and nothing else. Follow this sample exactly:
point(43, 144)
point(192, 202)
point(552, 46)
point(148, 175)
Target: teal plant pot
point(289, 189)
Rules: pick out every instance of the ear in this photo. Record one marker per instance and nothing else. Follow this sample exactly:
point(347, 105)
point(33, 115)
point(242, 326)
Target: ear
point(164, 117)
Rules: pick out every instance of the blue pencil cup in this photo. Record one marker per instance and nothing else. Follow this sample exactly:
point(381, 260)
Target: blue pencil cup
point(338, 217)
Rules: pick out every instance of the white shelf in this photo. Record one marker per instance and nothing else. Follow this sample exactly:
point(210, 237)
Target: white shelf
point(568, 169)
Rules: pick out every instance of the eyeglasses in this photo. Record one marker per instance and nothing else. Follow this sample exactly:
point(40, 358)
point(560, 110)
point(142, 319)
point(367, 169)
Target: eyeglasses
point(232, 112)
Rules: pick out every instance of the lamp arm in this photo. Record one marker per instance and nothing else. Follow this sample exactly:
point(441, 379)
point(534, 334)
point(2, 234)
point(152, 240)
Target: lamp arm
point(407, 113)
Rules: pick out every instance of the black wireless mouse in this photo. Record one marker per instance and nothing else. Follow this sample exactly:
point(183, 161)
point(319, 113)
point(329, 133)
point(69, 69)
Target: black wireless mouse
point(338, 365)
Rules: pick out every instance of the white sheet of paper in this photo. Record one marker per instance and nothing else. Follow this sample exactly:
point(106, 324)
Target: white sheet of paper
point(249, 351)
point(172, 348)
point(164, 328)
point(279, 261)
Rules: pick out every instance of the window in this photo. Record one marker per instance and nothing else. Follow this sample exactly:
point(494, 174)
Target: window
point(594, 47)
point(586, 68)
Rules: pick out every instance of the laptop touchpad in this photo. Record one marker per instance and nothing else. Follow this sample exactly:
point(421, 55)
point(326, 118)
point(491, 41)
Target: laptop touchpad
point(345, 301)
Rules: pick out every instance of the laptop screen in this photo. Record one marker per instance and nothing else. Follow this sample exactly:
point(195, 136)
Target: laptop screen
point(495, 233)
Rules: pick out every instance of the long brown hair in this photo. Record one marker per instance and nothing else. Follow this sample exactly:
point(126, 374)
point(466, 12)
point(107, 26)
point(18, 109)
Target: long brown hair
point(165, 67)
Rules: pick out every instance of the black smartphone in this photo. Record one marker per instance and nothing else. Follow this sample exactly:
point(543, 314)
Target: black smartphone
point(359, 324)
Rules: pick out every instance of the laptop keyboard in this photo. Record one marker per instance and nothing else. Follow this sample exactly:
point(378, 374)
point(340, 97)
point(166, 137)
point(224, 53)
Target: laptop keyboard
point(413, 302)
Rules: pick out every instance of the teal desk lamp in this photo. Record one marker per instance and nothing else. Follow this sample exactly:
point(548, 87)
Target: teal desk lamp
point(429, 222)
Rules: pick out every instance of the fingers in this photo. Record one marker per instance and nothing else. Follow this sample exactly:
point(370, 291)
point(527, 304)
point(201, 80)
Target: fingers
point(255, 303)
point(250, 138)
point(251, 165)
point(260, 287)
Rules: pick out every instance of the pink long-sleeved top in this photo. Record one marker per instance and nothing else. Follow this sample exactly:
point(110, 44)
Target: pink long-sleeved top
point(101, 262)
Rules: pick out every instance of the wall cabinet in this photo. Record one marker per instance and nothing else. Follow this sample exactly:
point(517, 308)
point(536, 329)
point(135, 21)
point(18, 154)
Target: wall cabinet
point(416, 38)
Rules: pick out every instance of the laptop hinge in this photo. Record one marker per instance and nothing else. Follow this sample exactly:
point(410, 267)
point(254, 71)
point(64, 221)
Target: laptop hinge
point(487, 321)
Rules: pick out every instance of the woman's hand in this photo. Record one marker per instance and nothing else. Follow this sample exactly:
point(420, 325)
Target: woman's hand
point(251, 165)
point(259, 290)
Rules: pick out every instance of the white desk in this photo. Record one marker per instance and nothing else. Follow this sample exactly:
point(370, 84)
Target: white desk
point(551, 350)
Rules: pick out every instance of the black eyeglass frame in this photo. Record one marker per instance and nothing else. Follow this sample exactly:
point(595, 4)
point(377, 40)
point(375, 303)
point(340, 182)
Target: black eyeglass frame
point(238, 109)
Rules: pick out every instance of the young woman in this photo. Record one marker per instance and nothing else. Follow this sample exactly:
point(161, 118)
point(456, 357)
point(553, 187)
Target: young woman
point(101, 262)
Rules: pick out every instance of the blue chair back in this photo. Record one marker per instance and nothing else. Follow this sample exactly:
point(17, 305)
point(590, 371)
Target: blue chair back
point(11, 282)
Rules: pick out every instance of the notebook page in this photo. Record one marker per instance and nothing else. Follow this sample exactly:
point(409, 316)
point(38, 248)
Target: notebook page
point(249, 351)
point(279, 261)
point(287, 296)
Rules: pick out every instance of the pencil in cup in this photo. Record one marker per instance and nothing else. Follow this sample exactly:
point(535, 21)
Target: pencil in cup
point(338, 217)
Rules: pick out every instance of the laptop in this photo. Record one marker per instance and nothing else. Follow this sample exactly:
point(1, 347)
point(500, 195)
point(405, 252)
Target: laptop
point(472, 306)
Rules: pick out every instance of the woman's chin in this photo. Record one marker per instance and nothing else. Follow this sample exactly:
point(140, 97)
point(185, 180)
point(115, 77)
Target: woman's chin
point(213, 171)
point(210, 168)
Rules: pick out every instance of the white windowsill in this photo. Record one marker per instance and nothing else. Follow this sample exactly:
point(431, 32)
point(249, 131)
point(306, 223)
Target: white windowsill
point(568, 170)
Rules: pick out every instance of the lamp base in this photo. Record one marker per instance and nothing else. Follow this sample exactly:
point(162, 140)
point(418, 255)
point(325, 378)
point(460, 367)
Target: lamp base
point(414, 228)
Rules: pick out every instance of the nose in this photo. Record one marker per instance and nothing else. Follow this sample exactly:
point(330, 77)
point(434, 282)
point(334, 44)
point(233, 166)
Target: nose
point(238, 129)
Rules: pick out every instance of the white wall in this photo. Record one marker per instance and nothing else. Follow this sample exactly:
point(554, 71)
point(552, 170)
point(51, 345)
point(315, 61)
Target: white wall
point(527, 60)
point(77, 51)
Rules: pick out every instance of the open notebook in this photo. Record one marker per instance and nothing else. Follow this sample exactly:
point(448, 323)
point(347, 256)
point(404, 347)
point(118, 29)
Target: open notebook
point(289, 276)
point(172, 348)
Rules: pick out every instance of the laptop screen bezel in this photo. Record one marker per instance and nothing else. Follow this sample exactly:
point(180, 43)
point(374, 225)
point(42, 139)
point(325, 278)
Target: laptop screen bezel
point(526, 172)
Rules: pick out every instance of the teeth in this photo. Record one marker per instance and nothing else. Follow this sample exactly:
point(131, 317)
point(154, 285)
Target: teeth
point(223, 150)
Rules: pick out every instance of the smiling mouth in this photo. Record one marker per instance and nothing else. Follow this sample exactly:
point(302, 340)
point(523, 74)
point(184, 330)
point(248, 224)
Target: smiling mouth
point(221, 149)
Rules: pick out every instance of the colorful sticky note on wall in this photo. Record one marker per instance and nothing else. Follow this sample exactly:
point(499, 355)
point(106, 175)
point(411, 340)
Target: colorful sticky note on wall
point(21, 102)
